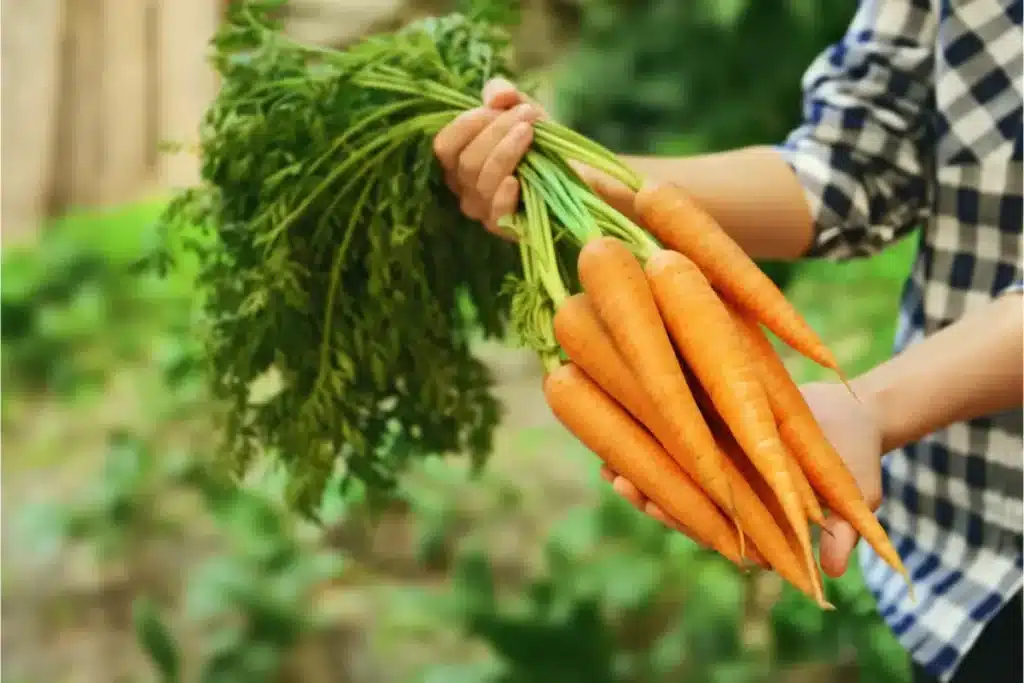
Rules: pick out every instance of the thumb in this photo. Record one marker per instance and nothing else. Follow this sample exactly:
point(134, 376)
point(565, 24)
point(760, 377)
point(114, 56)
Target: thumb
point(837, 543)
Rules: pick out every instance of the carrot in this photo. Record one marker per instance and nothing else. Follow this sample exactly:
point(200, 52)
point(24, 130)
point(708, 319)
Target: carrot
point(824, 467)
point(771, 501)
point(756, 481)
point(812, 506)
point(607, 429)
point(803, 487)
point(615, 284)
point(589, 345)
point(706, 336)
point(583, 336)
point(678, 223)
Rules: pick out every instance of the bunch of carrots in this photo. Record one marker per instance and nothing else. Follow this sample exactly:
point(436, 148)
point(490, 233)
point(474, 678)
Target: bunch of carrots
point(660, 364)
point(666, 374)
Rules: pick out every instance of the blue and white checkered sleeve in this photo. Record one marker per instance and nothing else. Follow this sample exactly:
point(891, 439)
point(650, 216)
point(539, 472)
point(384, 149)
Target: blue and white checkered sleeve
point(861, 150)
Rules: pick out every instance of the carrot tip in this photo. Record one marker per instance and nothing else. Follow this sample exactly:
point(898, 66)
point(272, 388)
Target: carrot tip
point(846, 383)
point(910, 585)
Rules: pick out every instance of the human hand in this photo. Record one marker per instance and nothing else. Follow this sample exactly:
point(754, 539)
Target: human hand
point(853, 428)
point(481, 148)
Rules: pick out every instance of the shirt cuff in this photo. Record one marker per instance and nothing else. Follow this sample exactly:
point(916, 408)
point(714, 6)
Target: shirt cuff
point(828, 202)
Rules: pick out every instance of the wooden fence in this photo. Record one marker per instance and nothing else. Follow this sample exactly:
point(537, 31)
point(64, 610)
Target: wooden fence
point(89, 90)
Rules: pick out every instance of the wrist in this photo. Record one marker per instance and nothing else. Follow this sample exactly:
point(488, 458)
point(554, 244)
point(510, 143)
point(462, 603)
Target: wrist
point(879, 393)
point(965, 371)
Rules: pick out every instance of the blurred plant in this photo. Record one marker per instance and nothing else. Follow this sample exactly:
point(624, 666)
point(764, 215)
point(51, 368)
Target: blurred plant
point(255, 602)
point(624, 601)
point(83, 300)
point(118, 517)
point(667, 77)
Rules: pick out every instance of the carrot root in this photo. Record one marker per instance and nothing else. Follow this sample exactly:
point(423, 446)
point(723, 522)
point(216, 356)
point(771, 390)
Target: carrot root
point(603, 426)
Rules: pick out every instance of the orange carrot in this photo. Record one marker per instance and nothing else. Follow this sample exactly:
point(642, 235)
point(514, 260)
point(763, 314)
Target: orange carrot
point(615, 283)
point(678, 223)
point(588, 343)
point(824, 467)
point(803, 487)
point(607, 429)
point(703, 331)
point(756, 481)
point(771, 501)
point(812, 506)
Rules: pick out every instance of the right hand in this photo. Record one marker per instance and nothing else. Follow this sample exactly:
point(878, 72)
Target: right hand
point(480, 150)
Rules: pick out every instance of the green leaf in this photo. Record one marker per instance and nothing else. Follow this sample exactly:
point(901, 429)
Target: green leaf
point(156, 640)
point(474, 584)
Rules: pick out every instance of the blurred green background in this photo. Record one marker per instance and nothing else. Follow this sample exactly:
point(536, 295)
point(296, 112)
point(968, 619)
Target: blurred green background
point(123, 561)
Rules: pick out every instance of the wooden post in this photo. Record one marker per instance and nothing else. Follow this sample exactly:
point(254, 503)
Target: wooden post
point(79, 139)
point(187, 82)
point(124, 100)
point(31, 42)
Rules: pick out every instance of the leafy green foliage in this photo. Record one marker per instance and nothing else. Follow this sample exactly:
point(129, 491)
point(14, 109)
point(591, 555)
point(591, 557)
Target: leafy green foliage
point(156, 640)
point(81, 301)
point(681, 77)
point(267, 577)
point(335, 257)
point(623, 600)
point(254, 602)
point(666, 77)
point(116, 516)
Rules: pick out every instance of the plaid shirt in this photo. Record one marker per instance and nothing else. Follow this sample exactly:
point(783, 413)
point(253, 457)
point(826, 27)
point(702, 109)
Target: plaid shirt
point(912, 120)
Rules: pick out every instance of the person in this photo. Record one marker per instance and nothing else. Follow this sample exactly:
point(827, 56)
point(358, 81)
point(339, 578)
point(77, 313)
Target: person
point(911, 120)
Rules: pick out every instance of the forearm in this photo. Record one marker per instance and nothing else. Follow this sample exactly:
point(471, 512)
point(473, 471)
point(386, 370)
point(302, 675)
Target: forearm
point(752, 193)
point(968, 370)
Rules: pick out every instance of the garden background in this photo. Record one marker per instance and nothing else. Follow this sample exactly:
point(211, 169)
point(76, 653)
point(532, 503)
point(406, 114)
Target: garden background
point(123, 562)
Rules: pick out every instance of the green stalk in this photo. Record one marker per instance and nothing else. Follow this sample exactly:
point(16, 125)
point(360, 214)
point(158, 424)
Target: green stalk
point(406, 129)
point(626, 230)
point(339, 259)
point(552, 136)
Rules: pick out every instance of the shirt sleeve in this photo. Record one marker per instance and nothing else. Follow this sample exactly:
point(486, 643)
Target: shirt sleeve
point(862, 150)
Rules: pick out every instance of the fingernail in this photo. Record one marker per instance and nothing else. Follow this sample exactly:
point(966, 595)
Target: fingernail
point(522, 129)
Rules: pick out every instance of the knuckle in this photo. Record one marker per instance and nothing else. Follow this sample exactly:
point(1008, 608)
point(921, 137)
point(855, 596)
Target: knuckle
point(468, 206)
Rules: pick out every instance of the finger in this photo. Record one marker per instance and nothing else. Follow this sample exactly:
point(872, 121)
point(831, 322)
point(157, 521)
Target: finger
point(626, 489)
point(608, 474)
point(612, 191)
point(837, 546)
point(505, 201)
point(450, 142)
point(502, 162)
point(500, 93)
point(473, 156)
